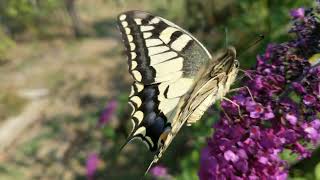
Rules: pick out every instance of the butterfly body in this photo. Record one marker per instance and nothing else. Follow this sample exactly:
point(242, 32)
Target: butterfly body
point(213, 84)
point(176, 79)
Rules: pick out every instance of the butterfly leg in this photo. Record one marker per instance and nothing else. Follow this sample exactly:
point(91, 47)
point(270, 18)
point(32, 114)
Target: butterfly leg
point(237, 105)
point(244, 87)
point(246, 73)
point(226, 114)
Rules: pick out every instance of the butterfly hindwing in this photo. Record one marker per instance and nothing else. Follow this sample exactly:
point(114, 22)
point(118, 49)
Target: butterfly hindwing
point(163, 60)
point(148, 121)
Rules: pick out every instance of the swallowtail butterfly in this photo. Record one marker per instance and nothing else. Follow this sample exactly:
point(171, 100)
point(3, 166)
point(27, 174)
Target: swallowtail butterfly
point(175, 77)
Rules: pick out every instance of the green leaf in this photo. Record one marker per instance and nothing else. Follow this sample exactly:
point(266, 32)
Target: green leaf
point(317, 171)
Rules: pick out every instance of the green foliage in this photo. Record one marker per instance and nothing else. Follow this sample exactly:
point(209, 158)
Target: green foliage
point(5, 44)
point(307, 168)
point(317, 171)
point(19, 15)
point(289, 156)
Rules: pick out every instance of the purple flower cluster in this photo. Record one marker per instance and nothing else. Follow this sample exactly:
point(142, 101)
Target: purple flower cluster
point(282, 114)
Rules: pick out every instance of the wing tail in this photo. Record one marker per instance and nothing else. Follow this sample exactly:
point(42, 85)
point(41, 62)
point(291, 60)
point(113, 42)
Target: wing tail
point(155, 160)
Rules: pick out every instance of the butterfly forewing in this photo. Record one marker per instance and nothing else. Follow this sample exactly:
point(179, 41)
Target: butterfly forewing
point(163, 60)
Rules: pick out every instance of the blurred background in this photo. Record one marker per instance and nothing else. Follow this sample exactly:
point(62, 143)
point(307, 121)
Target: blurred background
point(64, 83)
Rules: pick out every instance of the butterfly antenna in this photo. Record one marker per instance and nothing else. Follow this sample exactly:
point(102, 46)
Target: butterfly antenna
point(226, 36)
point(255, 42)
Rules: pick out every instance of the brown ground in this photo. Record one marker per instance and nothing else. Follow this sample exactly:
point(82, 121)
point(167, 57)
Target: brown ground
point(58, 79)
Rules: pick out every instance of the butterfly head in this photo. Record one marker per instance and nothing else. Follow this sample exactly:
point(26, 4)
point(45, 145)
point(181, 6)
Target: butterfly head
point(226, 66)
point(225, 62)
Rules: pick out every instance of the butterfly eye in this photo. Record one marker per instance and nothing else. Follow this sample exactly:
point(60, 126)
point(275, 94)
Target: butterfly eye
point(236, 64)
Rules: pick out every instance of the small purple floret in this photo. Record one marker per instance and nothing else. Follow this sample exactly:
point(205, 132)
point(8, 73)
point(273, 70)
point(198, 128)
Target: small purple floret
point(159, 171)
point(107, 113)
point(231, 156)
point(297, 13)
